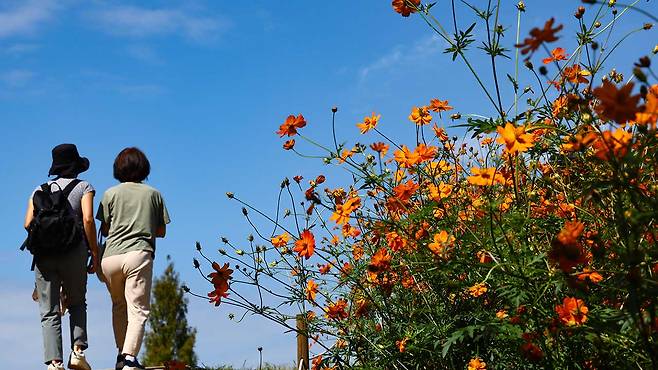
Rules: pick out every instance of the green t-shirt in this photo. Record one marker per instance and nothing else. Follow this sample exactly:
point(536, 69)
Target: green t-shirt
point(134, 212)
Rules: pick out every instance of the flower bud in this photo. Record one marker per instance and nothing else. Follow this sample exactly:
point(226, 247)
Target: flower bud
point(239, 252)
point(644, 62)
point(222, 252)
point(244, 211)
point(250, 238)
point(185, 288)
point(594, 45)
point(455, 116)
point(224, 240)
point(198, 246)
point(655, 50)
point(597, 24)
point(579, 12)
point(334, 109)
point(196, 263)
point(520, 6)
point(647, 26)
point(637, 72)
point(528, 64)
point(230, 195)
point(543, 71)
point(612, 3)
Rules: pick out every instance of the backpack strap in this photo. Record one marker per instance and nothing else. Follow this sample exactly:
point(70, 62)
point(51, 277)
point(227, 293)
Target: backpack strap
point(69, 188)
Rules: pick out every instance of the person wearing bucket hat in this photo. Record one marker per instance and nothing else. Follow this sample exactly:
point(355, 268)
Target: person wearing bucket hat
point(67, 268)
point(67, 162)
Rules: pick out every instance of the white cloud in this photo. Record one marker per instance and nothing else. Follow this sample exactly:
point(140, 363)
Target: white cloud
point(140, 22)
point(16, 78)
point(25, 17)
point(404, 57)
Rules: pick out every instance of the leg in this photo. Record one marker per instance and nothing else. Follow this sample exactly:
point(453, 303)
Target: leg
point(47, 287)
point(74, 279)
point(115, 282)
point(139, 268)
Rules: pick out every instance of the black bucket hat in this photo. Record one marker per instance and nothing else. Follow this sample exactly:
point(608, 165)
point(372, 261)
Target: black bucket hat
point(67, 161)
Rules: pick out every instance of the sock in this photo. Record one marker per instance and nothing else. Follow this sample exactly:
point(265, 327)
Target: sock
point(129, 357)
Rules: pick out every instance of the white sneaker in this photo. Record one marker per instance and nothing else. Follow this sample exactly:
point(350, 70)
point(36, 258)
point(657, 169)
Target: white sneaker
point(77, 361)
point(57, 366)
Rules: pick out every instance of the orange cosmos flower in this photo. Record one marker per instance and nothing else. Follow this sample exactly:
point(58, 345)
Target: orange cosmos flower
point(439, 192)
point(442, 244)
point(343, 211)
point(337, 310)
point(572, 311)
point(220, 277)
point(280, 240)
point(380, 148)
point(290, 125)
point(616, 104)
point(540, 36)
point(305, 245)
point(501, 314)
point(590, 275)
point(289, 144)
point(557, 54)
point(485, 177)
point(402, 344)
point(395, 241)
point(440, 133)
point(425, 153)
point(324, 269)
point(477, 364)
point(650, 114)
point(421, 116)
point(575, 74)
point(368, 123)
point(567, 251)
point(612, 144)
point(311, 290)
point(406, 190)
point(438, 106)
point(579, 141)
point(380, 261)
point(571, 232)
point(405, 7)
point(357, 251)
point(477, 289)
point(405, 158)
point(516, 139)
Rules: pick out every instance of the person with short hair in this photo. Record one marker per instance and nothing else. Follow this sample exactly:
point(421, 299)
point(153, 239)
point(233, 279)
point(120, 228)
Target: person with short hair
point(132, 216)
point(67, 269)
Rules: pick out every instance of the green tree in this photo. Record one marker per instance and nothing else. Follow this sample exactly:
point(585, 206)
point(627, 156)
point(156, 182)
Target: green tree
point(168, 336)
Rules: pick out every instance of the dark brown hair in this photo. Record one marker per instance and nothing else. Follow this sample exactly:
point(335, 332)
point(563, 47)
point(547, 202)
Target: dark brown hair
point(131, 165)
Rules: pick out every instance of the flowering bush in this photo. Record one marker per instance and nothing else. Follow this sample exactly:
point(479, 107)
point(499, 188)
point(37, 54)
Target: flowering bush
point(531, 245)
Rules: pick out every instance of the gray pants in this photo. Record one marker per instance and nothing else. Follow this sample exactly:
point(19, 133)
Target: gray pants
point(68, 271)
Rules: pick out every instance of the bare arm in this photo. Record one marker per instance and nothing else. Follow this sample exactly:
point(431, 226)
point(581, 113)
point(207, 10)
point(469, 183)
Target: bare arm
point(89, 224)
point(29, 215)
point(161, 231)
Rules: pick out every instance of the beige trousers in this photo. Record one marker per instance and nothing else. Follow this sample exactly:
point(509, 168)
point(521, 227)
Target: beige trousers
point(128, 277)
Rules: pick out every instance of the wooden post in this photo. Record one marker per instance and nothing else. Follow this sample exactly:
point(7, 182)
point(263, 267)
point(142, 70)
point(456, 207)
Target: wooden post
point(302, 343)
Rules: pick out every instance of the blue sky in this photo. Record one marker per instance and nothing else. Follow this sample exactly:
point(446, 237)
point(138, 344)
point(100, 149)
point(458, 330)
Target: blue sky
point(201, 86)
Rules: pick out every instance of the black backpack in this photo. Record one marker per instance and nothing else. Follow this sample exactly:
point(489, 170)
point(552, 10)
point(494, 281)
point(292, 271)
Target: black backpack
point(55, 229)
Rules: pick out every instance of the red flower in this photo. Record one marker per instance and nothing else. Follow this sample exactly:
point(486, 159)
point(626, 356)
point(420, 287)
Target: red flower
point(305, 245)
point(539, 36)
point(291, 124)
point(404, 7)
point(289, 144)
point(616, 104)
